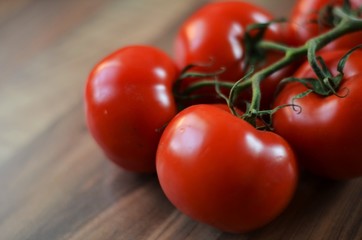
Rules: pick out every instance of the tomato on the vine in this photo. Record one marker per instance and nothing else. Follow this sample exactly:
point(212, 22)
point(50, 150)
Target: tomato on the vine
point(325, 133)
point(215, 36)
point(304, 24)
point(220, 170)
point(128, 100)
point(352, 67)
point(269, 85)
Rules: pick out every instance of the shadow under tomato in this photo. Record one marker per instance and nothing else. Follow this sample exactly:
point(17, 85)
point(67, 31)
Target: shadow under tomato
point(315, 197)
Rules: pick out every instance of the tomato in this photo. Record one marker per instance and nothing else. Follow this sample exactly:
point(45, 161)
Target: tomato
point(352, 67)
point(326, 133)
point(304, 24)
point(220, 170)
point(269, 85)
point(216, 32)
point(128, 100)
point(215, 35)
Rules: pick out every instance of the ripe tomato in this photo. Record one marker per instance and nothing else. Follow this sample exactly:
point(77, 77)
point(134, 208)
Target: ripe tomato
point(324, 134)
point(303, 24)
point(215, 34)
point(352, 67)
point(128, 100)
point(269, 85)
point(220, 170)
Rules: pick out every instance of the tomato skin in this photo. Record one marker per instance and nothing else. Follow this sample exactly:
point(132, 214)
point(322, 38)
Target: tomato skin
point(269, 85)
point(129, 99)
point(214, 35)
point(220, 170)
point(302, 24)
point(352, 67)
point(324, 134)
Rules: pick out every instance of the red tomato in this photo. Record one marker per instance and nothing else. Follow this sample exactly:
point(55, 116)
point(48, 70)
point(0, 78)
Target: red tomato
point(128, 100)
point(324, 134)
point(352, 67)
point(220, 170)
point(215, 34)
point(269, 85)
point(304, 24)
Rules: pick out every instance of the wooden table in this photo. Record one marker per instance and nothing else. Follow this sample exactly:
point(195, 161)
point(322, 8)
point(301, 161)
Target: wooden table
point(55, 182)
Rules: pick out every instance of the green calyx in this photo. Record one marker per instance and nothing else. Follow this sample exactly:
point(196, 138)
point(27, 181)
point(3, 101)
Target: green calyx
point(204, 79)
point(255, 56)
point(325, 85)
point(345, 21)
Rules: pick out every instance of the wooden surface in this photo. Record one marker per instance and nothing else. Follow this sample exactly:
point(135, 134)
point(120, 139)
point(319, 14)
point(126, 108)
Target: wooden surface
point(56, 184)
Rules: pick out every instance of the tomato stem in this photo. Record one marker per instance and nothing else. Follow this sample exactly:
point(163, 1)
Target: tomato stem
point(269, 45)
point(204, 83)
point(347, 24)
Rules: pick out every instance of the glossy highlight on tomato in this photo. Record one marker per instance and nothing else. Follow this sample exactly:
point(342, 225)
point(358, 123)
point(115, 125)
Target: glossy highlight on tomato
point(303, 24)
point(220, 170)
point(215, 36)
point(352, 67)
point(128, 101)
point(325, 134)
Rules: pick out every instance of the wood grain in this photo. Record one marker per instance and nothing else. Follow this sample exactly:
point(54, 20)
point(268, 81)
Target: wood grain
point(55, 182)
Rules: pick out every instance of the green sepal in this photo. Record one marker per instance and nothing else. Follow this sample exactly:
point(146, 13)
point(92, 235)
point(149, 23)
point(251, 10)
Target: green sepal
point(235, 91)
point(343, 60)
point(347, 7)
point(255, 56)
point(201, 74)
point(310, 83)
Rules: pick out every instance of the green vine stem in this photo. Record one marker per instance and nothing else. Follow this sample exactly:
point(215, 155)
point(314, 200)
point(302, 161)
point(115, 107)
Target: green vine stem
point(347, 24)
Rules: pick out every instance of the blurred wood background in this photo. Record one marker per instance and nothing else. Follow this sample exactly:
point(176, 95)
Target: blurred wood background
point(56, 184)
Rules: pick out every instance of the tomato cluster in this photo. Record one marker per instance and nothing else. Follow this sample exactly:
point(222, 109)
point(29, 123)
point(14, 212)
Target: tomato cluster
point(213, 163)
